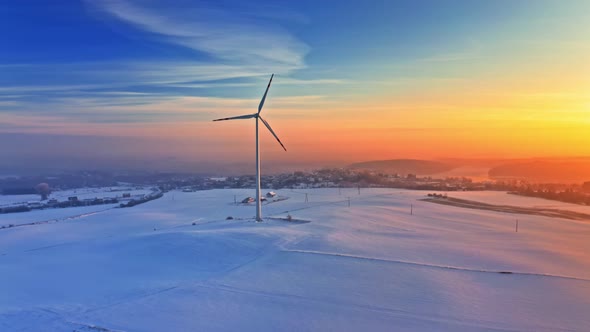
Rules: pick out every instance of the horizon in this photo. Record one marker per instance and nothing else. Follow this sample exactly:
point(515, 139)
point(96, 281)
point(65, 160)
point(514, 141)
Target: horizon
point(72, 155)
point(124, 84)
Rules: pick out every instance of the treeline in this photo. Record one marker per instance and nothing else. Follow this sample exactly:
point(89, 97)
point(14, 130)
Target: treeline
point(14, 209)
point(18, 191)
point(565, 193)
point(86, 202)
point(63, 204)
point(145, 199)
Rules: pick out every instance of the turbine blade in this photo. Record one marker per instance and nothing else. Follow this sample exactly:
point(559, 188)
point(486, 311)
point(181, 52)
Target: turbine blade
point(265, 92)
point(248, 116)
point(272, 132)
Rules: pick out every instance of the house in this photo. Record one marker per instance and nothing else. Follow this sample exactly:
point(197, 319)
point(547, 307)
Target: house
point(34, 204)
point(271, 194)
point(248, 200)
point(218, 179)
point(87, 201)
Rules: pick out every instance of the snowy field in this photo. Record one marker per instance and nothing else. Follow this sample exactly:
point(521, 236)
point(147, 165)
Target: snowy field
point(177, 264)
point(81, 193)
point(60, 214)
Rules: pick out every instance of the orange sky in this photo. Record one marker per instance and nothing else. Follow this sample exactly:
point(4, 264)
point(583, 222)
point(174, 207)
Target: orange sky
point(520, 116)
point(515, 88)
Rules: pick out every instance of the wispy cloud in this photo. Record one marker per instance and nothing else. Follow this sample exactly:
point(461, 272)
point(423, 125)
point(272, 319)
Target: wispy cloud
point(47, 88)
point(234, 52)
point(8, 103)
point(144, 109)
point(229, 37)
point(117, 92)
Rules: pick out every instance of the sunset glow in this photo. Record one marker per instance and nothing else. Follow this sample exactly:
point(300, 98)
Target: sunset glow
point(507, 79)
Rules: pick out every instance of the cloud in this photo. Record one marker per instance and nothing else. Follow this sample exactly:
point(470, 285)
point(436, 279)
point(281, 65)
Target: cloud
point(234, 53)
point(8, 103)
point(229, 38)
point(132, 109)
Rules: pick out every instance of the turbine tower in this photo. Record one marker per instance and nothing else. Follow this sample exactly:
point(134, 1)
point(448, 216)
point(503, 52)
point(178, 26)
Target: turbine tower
point(258, 117)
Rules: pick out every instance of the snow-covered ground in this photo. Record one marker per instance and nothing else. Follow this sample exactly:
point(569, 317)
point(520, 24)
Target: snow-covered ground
point(81, 193)
point(372, 266)
point(61, 214)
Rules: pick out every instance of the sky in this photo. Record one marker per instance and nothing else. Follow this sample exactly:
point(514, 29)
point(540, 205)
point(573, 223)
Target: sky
point(136, 84)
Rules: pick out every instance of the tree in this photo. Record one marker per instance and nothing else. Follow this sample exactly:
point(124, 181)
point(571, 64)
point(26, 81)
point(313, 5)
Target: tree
point(43, 190)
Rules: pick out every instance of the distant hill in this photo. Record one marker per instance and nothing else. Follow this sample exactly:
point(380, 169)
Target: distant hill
point(404, 166)
point(545, 171)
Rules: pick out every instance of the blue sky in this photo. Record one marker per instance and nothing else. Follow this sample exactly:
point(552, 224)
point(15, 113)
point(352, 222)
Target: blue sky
point(110, 67)
point(219, 48)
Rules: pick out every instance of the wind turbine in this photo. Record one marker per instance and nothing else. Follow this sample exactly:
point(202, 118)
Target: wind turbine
point(258, 117)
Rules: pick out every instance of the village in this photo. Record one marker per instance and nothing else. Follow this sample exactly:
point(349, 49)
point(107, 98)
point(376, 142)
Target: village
point(114, 196)
point(98, 188)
